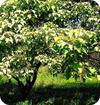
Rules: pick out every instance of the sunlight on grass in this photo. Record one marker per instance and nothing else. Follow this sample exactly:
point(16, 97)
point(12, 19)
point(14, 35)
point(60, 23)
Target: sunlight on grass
point(45, 79)
point(61, 81)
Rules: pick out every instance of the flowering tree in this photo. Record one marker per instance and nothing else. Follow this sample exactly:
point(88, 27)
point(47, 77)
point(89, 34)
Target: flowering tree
point(63, 35)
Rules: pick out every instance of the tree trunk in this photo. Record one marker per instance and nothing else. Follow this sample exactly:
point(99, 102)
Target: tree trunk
point(25, 89)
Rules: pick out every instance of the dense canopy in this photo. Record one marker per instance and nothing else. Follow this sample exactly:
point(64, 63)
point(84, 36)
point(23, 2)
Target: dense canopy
point(62, 34)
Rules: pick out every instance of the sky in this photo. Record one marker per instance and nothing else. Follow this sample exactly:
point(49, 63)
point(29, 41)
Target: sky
point(98, 1)
point(1, 1)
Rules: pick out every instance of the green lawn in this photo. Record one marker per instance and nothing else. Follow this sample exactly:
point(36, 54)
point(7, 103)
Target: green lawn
point(51, 90)
point(61, 81)
point(44, 80)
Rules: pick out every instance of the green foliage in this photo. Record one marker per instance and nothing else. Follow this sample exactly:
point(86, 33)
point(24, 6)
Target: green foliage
point(63, 13)
point(50, 45)
point(52, 31)
point(76, 45)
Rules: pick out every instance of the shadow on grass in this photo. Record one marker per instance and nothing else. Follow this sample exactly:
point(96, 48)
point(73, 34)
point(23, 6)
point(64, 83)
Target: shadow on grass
point(51, 95)
point(67, 95)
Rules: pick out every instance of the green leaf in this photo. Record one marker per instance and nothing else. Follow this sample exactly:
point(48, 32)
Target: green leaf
point(76, 66)
point(68, 72)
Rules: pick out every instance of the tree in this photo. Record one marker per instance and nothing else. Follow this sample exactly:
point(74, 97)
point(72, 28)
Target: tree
point(60, 34)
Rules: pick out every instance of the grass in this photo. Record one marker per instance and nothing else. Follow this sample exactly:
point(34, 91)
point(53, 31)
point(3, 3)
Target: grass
point(45, 79)
point(53, 90)
point(61, 81)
